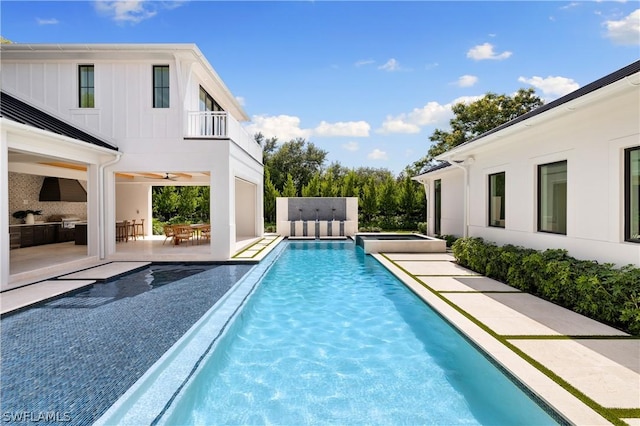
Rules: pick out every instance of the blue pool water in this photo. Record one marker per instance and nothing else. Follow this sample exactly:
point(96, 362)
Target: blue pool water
point(331, 337)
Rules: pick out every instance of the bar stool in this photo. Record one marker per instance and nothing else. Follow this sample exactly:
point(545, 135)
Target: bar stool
point(122, 231)
point(138, 228)
point(131, 229)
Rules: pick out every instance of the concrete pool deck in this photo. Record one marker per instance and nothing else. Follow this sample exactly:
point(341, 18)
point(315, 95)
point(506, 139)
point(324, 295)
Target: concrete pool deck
point(531, 337)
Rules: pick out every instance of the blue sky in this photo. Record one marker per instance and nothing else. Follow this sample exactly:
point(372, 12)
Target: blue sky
point(367, 81)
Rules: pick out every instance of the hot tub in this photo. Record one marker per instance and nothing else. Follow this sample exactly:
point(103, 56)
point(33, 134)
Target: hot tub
point(375, 242)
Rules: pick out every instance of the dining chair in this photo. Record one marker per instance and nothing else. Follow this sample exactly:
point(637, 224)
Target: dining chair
point(205, 232)
point(168, 233)
point(182, 233)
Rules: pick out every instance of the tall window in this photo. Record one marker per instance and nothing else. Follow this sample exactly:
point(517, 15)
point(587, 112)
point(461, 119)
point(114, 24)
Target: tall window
point(552, 197)
point(211, 124)
point(632, 194)
point(496, 199)
point(437, 206)
point(86, 88)
point(161, 86)
point(207, 103)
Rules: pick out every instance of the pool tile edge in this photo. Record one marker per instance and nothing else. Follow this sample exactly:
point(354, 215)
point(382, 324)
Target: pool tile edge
point(146, 400)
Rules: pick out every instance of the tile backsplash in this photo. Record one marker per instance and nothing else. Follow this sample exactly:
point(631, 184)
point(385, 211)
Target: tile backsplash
point(27, 187)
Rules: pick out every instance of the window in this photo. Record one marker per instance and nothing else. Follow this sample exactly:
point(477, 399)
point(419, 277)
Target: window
point(86, 88)
point(437, 206)
point(207, 103)
point(552, 197)
point(632, 194)
point(161, 86)
point(211, 124)
point(496, 200)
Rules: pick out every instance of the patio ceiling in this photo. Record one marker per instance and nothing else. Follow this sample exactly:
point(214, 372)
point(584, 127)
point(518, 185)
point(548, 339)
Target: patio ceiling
point(56, 167)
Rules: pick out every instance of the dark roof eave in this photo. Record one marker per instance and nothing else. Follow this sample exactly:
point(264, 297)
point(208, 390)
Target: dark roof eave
point(16, 110)
point(434, 168)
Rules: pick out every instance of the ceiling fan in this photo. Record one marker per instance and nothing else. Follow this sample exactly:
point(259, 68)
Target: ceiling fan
point(167, 176)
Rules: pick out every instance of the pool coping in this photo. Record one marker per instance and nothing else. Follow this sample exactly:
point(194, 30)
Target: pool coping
point(561, 400)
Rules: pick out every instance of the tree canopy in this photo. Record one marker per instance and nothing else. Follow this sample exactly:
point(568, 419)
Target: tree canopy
point(473, 119)
point(299, 158)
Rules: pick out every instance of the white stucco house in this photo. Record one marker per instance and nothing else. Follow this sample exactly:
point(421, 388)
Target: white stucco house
point(566, 175)
point(120, 119)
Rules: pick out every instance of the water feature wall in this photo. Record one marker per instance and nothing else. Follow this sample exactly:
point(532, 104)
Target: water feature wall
point(317, 217)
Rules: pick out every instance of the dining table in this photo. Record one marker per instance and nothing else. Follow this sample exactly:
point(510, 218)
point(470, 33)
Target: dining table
point(197, 229)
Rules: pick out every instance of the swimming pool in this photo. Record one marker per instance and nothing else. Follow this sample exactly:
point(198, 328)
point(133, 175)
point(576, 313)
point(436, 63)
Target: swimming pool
point(330, 336)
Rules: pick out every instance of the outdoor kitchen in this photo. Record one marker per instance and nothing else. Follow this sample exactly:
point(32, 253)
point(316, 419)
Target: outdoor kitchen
point(46, 210)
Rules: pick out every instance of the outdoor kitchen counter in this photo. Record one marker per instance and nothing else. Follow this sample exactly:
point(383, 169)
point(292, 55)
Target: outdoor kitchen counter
point(36, 224)
point(27, 235)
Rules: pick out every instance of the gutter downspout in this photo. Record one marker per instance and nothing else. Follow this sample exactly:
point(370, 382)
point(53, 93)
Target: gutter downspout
point(102, 203)
point(464, 166)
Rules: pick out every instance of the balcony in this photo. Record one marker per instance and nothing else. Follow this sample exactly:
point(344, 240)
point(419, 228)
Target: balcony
point(221, 125)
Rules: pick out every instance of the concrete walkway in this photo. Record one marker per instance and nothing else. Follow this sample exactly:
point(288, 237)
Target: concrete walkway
point(540, 343)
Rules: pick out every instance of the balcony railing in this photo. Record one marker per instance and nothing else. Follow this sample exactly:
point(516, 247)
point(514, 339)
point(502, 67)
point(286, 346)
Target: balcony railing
point(221, 125)
point(208, 124)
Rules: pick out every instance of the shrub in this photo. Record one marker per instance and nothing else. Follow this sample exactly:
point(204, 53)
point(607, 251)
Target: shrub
point(157, 226)
point(450, 239)
point(422, 227)
point(599, 291)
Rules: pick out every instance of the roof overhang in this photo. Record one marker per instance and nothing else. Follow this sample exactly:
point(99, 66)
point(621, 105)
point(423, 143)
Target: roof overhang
point(27, 139)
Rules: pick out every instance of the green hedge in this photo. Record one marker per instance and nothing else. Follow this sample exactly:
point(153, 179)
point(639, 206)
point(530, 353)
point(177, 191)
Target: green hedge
point(599, 291)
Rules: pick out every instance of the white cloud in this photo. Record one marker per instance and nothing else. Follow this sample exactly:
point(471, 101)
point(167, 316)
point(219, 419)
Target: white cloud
point(284, 127)
point(431, 113)
point(51, 21)
point(240, 100)
point(398, 125)
point(431, 66)
point(391, 65)
point(133, 11)
point(570, 5)
point(349, 128)
point(626, 30)
point(377, 154)
point(485, 51)
point(364, 62)
point(287, 127)
point(351, 146)
point(553, 86)
point(467, 81)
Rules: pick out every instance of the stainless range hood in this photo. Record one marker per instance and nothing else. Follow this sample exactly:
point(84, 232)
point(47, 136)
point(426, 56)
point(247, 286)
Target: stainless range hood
point(61, 189)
